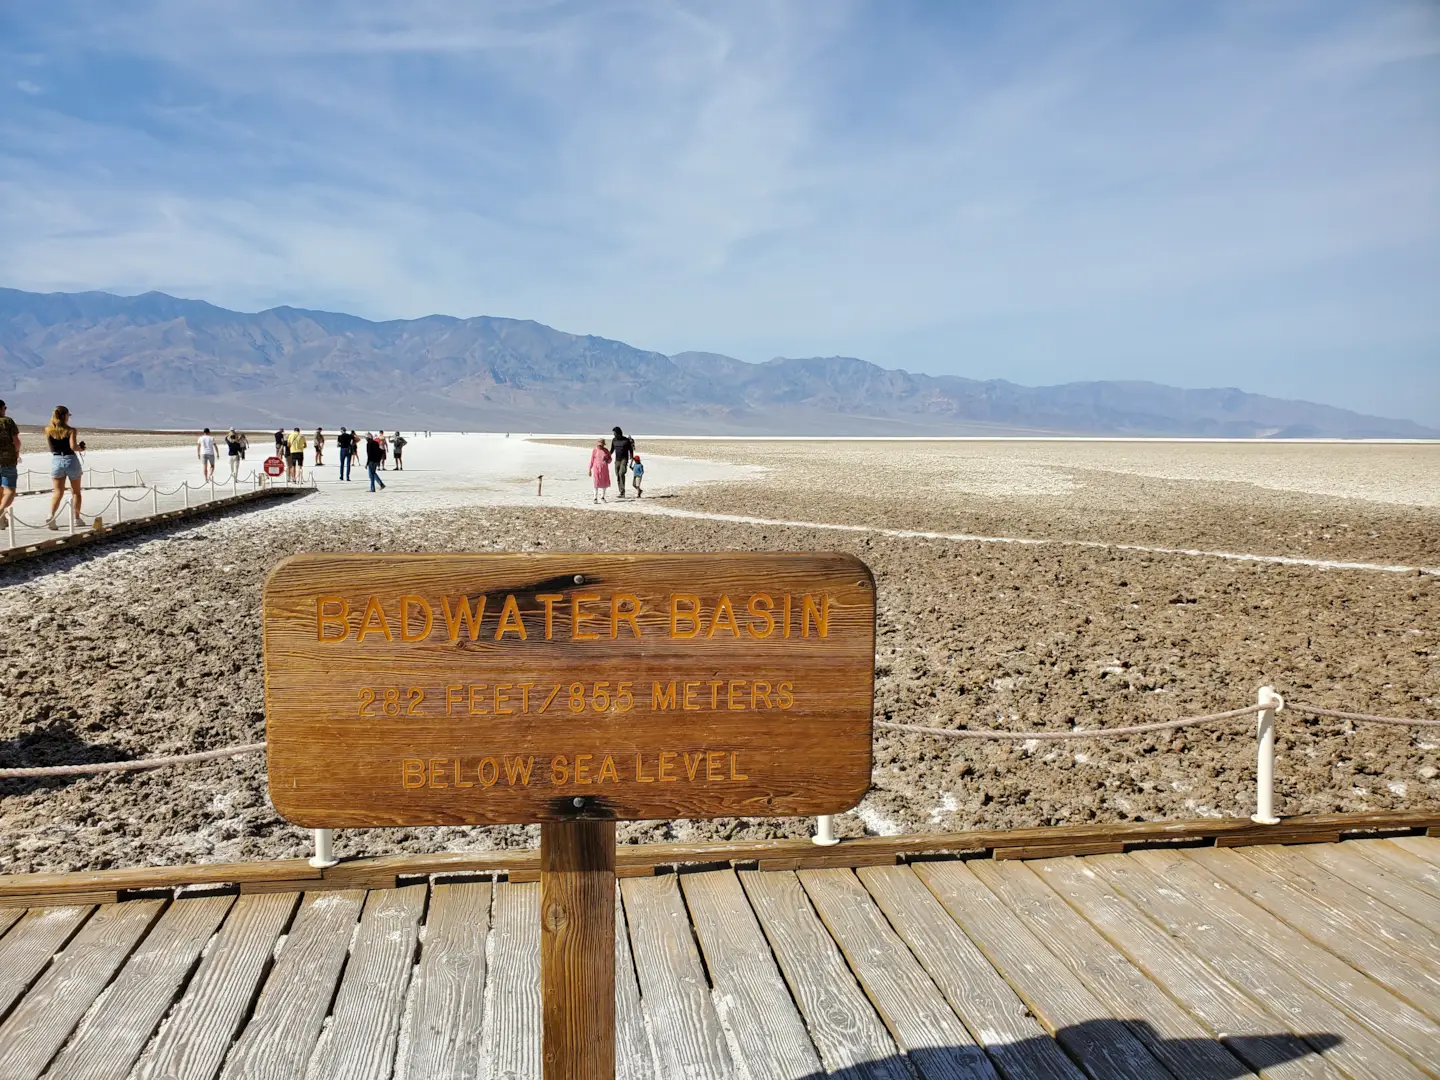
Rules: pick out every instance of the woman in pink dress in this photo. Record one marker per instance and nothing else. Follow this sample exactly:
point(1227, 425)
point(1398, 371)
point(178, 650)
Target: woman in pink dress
point(600, 470)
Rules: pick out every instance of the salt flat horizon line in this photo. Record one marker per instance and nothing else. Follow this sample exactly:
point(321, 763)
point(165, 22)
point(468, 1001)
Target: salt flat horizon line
point(921, 534)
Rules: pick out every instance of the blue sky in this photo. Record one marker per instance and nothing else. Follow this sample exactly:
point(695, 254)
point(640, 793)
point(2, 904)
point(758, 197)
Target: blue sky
point(1197, 193)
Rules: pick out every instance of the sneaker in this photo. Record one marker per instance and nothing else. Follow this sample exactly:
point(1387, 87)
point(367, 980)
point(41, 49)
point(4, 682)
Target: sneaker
point(52, 526)
point(4, 520)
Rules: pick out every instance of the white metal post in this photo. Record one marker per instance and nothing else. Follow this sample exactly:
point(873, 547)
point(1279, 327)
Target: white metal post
point(1265, 757)
point(70, 513)
point(324, 849)
point(155, 502)
point(119, 508)
point(185, 493)
point(825, 831)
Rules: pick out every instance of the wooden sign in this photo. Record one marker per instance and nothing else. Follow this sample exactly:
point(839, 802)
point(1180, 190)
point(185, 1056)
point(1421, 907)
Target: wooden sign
point(490, 689)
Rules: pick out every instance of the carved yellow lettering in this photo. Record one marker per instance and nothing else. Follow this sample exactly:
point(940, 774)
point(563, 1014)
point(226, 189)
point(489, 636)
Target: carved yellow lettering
point(406, 603)
point(459, 782)
point(502, 699)
point(489, 778)
point(340, 619)
point(560, 770)
point(692, 763)
point(819, 611)
point(662, 699)
point(691, 689)
point(582, 768)
point(667, 763)
point(510, 620)
point(736, 704)
point(549, 599)
point(630, 614)
point(756, 694)
point(525, 688)
point(715, 693)
point(724, 618)
point(735, 773)
point(714, 765)
point(761, 605)
point(691, 614)
point(437, 770)
point(640, 776)
point(607, 771)
point(471, 619)
point(785, 695)
point(412, 774)
point(579, 618)
point(786, 632)
point(374, 613)
point(477, 697)
point(453, 693)
point(515, 769)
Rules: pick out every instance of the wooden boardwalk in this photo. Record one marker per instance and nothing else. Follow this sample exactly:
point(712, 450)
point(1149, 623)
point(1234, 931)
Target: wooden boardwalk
point(1313, 960)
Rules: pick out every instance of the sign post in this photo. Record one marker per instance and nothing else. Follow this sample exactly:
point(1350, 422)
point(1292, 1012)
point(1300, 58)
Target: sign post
point(574, 691)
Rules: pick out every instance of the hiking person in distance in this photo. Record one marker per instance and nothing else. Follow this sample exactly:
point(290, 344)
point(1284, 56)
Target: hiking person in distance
point(622, 449)
point(9, 464)
point(398, 442)
point(281, 451)
point(637, 474)
point(235, 450)
point(600, 470)
point(374, 455)
point(66, 447)
point(346, 442)
point(296, 444)
point(319, 445)
point(205, 451)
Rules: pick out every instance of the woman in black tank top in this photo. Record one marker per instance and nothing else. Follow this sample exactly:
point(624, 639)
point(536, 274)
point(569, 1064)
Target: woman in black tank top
point(65, 447)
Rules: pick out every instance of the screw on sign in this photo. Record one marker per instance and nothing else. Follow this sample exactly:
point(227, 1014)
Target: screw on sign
point(274, 466)
point(573, 691)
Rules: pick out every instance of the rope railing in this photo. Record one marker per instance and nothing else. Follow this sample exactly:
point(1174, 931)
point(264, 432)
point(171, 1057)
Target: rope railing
point(1074, 733)
point(130, 766)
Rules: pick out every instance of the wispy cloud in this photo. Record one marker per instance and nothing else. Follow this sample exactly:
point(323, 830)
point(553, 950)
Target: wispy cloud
point(1230, 193)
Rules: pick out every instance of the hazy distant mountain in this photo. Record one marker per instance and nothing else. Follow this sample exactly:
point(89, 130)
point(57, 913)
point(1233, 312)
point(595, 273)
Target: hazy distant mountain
point(158, 360)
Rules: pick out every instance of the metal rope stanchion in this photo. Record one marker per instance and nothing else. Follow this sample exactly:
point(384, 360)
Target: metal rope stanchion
point(1270, 703)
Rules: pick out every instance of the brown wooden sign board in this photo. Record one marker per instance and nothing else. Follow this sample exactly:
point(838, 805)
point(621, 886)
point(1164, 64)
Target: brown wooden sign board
point(495, 689)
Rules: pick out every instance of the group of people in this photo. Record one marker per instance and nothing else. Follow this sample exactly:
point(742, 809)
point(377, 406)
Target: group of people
point(207, 450)
point(290, 447)
point(378, 450)
point(66, 446)
point(621, 456)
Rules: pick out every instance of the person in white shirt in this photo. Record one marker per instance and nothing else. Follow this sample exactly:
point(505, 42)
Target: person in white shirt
point(205, 451)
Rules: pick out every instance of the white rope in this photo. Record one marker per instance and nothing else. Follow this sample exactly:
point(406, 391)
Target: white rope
point(1075, 733)
point(1363, 718)
point(126, 766)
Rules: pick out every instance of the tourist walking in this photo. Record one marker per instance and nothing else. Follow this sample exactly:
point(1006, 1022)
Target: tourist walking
point(319, 446)
point(244, 444)
point(235, 450)
point(622, 449)
point(637, 473)
point(346, 442)
point(9, 464)
point(65, 450)
point(374, 455)
point(206, 452)
point(600, 470)
point(296, 444)
point(280, 449)
point(384, 447)
point(398, 442)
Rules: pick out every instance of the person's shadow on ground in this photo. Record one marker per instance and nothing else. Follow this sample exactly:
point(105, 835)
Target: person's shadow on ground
point(53, 743)
point(1105, 1047)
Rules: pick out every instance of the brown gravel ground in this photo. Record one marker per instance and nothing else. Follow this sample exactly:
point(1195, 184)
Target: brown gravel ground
point(155, 649)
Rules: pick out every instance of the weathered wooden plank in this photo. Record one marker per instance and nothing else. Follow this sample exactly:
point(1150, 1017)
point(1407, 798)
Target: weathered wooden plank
point(1366, 913)
point(446, 1020)
point(684, 1025)
point(1050, 851)
point(1400, 961)
point(1383, 1012)
point(1103, 1045)
point(9, 917)
point(359, 1042)
point(48, 1013)
point(633, 1058)
point(512, 988)
point(192, 1044)
point(27, 948)
point(1252, 1033)
point(277, 1042)
point(985, 1002)
point(913, 1010)
point(750, 993)
point(1424, 847)
point(60, 899)
point(1179, 1041)
point(1196, 912)
point(846, 1031)
point(155, 877)
point(1378, 882)
point(1409, 867)
point(113, 1033)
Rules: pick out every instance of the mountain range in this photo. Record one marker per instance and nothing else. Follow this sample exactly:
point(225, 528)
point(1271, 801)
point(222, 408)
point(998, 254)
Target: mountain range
point(159, 361)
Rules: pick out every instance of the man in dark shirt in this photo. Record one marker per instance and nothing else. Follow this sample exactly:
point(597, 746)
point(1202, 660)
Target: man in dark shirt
point(346, 442)
point(622, 449)
point(374, 455)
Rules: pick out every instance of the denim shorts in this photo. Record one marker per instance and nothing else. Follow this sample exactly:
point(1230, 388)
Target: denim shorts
point(65, 467)
point(9, 476)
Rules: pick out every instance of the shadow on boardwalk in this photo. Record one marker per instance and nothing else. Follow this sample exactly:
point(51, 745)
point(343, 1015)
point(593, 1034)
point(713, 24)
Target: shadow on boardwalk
point(1099, 1048)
